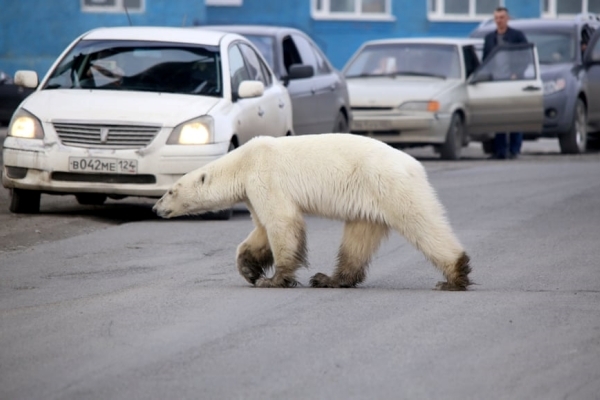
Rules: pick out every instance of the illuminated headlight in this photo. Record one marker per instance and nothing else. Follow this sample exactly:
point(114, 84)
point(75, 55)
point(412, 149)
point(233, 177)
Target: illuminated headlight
point(24, 125)
point(196, 131)
point(431, 106)
point(555, 85)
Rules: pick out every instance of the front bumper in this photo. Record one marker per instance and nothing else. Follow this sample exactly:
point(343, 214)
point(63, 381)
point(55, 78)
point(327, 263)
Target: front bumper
point(558, 114)
point(44, 165)
point(395, 127)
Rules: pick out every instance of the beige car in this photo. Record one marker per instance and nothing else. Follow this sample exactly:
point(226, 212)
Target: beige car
point(436, 91)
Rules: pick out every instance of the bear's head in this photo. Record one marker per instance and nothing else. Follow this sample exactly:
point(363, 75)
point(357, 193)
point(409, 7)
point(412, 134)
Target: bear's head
point(196, 192)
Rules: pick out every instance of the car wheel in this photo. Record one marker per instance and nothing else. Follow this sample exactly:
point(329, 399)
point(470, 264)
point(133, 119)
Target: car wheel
point(91, 199)
point(452, 147)
point(341, 124)
point(24, 201)
point(574, 141)
point(222, 215)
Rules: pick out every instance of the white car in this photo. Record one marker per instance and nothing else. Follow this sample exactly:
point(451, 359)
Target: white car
point(127, 111)
point(435, 91)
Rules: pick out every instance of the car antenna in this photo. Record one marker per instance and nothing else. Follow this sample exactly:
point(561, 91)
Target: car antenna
point(127, 12)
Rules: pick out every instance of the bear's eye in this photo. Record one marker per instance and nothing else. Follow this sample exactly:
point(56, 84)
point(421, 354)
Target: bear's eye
point(202, 178)
point(170, 192)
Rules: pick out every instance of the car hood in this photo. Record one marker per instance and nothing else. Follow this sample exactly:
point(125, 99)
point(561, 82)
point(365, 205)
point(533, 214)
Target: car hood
point(552, 71)
point(391, 92)
point(165, 109)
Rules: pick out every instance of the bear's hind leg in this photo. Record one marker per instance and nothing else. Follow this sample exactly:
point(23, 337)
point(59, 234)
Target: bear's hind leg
point(288, 243)
point(254, 255)
point(360, 241)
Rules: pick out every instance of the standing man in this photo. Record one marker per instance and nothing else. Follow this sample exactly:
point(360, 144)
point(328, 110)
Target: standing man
point(504, 35)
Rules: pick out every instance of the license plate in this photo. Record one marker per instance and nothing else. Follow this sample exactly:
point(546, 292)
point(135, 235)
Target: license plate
point(371, 125)
point(110, 165)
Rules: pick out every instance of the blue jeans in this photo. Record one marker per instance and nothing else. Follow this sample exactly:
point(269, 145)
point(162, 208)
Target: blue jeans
point(514, 146)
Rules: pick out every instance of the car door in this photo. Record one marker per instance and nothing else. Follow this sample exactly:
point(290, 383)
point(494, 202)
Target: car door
point(592, 67)
point(300, 91)
point(272, 104)
point(505, 93)
point(323, 85)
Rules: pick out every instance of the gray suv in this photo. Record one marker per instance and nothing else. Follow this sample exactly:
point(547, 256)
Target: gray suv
point(567, 85)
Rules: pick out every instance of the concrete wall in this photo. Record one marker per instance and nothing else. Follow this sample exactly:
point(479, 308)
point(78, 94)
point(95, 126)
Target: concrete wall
point(340, 39)
point(34, 32)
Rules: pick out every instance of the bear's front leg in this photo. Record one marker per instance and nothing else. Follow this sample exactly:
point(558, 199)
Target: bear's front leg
point(254, 255)
point(288, 242)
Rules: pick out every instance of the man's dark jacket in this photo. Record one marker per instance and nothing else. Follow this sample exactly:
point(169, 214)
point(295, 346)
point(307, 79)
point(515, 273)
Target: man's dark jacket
point(511, 35)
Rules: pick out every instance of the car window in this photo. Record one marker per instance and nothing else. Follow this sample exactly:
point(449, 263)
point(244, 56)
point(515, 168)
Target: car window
point(471, 60)
point(290, 53)
point(253, 64)
point(307, 54)
point(237, 68)
point(139, 66)
point(266, 45)
point(425, 59)
point(554, 47)
point(596, 51)
point(510, 62)
point(322, 65)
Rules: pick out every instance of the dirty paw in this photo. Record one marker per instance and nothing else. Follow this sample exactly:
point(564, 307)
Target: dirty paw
point(276, 283)
point(446, 286)
point(321, 281)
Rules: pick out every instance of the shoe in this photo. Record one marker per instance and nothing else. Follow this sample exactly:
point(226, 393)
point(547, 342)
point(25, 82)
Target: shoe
point(497, 157)
point(513, 156)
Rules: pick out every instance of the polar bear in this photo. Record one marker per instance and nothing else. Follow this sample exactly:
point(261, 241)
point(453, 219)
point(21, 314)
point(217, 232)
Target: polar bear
point(371, 186)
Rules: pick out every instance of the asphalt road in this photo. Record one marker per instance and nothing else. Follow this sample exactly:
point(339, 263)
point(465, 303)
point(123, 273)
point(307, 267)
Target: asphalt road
point(126, 305)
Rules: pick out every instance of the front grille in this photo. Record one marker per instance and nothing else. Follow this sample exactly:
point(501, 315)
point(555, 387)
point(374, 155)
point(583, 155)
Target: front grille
point(105, 136)
point(103, 178)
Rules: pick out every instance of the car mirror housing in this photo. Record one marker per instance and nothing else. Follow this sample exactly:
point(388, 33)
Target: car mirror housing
point(300, 71)
point(248, 89)
point(481, 77)
point(27, 79)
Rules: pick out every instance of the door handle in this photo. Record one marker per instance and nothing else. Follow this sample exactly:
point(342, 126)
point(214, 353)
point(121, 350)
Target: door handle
point(332, 86)
point(281, 103)
point(313, 90)
point(261, 112)
point(531, 88)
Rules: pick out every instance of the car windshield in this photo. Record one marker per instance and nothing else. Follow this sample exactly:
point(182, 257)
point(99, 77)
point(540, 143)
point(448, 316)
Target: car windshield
point(420, 59)
point(265, 45)
point(140, 66)
point(553, 46)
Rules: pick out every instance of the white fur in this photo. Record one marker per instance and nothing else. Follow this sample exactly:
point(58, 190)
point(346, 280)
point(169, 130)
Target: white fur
point(338, 176)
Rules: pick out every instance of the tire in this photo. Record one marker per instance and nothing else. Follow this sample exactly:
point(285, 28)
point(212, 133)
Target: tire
point(341, 124)
point(222, 215)
point(488, 146)
point(24, 201)
point(91, 199)
point(452, 147)
point(575, 141)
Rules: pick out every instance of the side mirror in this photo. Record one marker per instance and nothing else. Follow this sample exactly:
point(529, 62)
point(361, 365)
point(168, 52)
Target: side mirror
point(28, 79)
point(300, 71)
point(249, 89)
point(481, 77)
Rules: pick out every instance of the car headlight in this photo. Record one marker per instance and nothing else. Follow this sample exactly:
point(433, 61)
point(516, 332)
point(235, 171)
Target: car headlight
point(197, 131)
point(25, 125)
point(555, 85)
point(431, 106)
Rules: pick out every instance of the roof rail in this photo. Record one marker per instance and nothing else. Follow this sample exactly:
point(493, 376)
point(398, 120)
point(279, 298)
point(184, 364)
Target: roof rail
point(587, 17)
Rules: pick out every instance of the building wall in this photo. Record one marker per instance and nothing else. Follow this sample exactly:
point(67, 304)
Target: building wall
point(34, 32)
point(340, 39)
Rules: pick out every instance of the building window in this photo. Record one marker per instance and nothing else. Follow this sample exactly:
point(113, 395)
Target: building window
point(224, 2)
point(135, 6)
point(557, 8)
point(352, 9)
point(462, 9)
